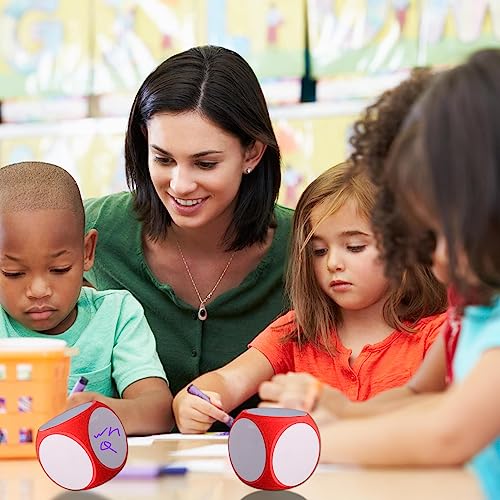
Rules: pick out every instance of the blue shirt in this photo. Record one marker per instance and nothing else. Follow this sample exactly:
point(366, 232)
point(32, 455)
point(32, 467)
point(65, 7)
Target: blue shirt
point(480, 332)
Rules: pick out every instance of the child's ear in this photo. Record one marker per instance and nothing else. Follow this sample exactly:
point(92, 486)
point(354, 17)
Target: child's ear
point(253, 155)
point(89, 243)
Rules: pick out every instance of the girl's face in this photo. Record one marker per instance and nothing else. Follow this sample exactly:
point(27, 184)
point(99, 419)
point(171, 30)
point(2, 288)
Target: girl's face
point(441, 266)
point(196, 167)
point(346, 260)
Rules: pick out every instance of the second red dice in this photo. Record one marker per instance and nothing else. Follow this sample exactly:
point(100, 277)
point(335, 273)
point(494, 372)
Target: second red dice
point(274, 448)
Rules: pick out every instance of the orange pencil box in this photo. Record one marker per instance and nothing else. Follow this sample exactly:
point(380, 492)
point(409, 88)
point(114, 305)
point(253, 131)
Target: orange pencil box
point(33, 389)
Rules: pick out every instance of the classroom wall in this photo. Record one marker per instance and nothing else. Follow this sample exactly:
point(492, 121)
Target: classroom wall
point(69, 70)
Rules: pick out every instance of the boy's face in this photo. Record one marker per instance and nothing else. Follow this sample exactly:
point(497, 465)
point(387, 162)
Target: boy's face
point(42, 259)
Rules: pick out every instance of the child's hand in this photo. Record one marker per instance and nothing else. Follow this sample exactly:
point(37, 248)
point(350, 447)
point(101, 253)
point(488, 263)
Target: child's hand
point(293, 390)
point(194, 415)
point(79, 398)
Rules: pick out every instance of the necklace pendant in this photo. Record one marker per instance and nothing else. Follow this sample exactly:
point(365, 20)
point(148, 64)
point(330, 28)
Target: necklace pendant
point(202, 313)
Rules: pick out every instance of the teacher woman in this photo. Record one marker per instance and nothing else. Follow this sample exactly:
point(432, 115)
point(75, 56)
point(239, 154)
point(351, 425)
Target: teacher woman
point(199, 239)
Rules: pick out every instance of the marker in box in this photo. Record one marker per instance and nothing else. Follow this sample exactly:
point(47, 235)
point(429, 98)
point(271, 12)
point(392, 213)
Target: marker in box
point(145, 471)
point(79, 386)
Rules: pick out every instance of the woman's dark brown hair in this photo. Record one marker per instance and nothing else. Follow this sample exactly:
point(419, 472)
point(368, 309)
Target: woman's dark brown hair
point(220, 85)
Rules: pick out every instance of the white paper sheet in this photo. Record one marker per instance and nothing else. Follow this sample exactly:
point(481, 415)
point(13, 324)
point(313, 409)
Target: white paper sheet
point(210, 450)
point(148, 440)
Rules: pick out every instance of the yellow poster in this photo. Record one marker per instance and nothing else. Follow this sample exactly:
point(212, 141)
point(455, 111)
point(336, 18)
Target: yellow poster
point(452, 29)
point(45, 48)
point(94, 160)
point(134, 36)
point(353, 37)
point(308, 147)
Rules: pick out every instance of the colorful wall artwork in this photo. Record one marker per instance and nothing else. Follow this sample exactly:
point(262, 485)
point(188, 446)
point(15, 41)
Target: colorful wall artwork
point(45, 49)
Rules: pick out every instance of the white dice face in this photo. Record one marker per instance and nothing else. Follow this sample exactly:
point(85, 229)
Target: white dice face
point(66, 462)
point(247, 450)
point(296, 454)
point(107, 437)
point(65, 416)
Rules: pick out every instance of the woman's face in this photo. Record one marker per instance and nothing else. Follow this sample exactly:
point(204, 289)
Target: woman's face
point(196, 167)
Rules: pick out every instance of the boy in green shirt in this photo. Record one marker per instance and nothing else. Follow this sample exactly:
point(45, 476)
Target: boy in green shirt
point(43, 255)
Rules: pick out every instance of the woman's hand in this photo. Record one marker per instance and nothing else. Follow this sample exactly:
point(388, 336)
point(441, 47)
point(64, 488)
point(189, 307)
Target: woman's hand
point(194, 415)
point(293, 390)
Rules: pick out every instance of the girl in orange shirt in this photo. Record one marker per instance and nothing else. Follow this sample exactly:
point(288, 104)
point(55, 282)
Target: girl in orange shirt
point(349, 326)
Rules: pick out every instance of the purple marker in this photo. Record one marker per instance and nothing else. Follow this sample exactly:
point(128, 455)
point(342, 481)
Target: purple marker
point(192, 389)
point(79, 386)
point(148, 471)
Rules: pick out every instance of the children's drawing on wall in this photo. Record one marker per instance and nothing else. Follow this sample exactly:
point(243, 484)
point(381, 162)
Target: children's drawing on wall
point(495, 17)
point(44, 50)
point(133, 36)
point(433, 17)
point(292, 181)
point(361, 36)
point(469, 18)
point(450, 29)
point(401, 11)
point(274, 20)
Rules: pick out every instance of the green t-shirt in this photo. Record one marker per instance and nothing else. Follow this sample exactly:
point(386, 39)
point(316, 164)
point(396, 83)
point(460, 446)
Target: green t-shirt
point(187, 346)
point(115, 344)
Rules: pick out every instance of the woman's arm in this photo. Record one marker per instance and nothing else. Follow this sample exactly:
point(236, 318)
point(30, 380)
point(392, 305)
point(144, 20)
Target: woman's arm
point(444, 429)
point(227, 388)
point(145, 406)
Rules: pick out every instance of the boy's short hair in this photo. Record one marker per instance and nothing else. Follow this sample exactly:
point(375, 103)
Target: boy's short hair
point(36, 185)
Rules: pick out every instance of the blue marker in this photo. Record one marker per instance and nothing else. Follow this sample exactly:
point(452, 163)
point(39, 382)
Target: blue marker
point(148, 471)
point(79, 386)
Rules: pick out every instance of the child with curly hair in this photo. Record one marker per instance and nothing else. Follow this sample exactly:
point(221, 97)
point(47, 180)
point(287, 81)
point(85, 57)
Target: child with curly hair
point(443, 173)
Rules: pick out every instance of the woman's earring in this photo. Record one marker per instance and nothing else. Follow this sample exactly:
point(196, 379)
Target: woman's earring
point(248, 170)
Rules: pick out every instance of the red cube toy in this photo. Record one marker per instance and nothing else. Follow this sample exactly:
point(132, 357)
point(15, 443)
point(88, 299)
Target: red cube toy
point(274, 448)
point(83, 447)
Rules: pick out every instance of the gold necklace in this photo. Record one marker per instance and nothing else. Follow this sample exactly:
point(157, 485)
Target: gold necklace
point(202, 311)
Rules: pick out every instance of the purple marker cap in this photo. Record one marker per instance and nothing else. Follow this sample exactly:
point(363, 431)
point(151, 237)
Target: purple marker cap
point(79, 386)
point(192, 389)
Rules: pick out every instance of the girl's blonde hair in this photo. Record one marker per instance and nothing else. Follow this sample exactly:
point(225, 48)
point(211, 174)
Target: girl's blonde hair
point(418, 294)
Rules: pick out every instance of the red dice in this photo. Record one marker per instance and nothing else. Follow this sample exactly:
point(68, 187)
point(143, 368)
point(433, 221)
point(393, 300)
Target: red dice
point(83, 447)
point(274, 448)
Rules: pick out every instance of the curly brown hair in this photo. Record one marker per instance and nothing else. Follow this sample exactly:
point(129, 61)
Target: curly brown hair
point(444, 171)
point(373, 135)
point(375, 131)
